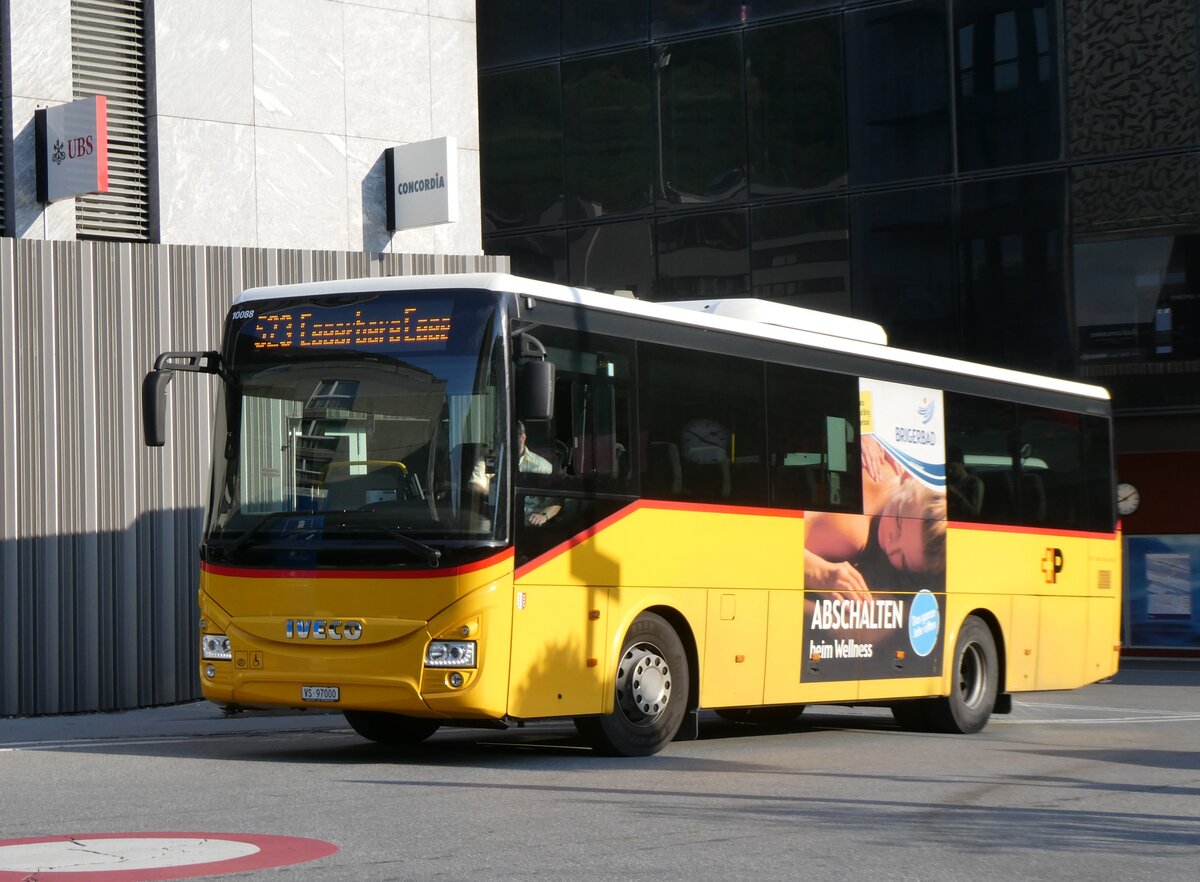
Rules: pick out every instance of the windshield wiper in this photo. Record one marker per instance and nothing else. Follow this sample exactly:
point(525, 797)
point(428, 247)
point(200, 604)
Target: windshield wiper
point(431, 556)
point(269, 518)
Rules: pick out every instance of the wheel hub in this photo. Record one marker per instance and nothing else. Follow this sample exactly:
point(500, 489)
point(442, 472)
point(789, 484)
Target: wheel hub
point(643, 683)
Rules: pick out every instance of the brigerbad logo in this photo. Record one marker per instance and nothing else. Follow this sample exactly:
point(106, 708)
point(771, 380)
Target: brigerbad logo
point(924, 623)
point(421, 185)
point(926, 410)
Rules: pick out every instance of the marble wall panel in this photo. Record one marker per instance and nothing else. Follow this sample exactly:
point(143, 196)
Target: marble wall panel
point(206, 182)
point(459, 10)
point(455, 85)
point(203, 60)
point(387, 75)
point(40, 57)
point(301, 190)
point(299, 76)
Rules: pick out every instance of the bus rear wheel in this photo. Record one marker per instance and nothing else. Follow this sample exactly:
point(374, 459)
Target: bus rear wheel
point(386, 728)
point(974, 683)
point(651, 694)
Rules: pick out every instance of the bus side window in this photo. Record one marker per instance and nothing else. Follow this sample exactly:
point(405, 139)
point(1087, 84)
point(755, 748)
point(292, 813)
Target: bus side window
point(981, 433)
point(588, 440)
point(702, 420)
point(813, 439)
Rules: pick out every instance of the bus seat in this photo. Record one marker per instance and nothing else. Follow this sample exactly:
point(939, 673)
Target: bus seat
point(663, 477)
point(1033, 499)
point(796, 486)
point(707, 480)
point(998, 500)
point(348, 492)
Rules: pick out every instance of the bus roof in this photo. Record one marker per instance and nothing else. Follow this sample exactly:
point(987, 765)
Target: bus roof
point(748, 318)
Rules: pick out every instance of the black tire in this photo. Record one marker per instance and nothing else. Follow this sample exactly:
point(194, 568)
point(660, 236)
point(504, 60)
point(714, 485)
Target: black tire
point(652, 693)
point(779, 716)
point(974, 682)
point(387, 728)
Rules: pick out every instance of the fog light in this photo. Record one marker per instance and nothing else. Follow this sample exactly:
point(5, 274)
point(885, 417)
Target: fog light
point(215, 646)
point(450, 654)
point(210, 671)
point(456, 679)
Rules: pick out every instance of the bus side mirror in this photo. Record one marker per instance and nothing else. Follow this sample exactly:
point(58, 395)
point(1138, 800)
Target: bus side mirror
point(535, 390)
point(154, 407)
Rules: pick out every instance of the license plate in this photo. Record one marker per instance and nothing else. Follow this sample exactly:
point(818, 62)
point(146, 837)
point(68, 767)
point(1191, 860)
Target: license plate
point(320, 693)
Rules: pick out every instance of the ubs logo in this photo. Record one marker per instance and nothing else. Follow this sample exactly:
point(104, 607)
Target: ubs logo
point(1052, 564)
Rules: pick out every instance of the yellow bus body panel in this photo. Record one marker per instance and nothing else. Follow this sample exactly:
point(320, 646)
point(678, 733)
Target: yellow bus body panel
point(729, 579)
point(384, 668)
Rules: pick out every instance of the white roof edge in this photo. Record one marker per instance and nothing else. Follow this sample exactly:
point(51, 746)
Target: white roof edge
point(670, 313)
point(768, 312)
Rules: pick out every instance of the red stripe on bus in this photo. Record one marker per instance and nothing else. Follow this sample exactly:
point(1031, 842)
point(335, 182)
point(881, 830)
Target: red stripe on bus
point(1028, 531)
point(661, 505)
point(268, 573)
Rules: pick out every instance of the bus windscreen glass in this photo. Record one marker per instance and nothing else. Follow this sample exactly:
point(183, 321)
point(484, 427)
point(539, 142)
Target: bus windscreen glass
point(359, 431)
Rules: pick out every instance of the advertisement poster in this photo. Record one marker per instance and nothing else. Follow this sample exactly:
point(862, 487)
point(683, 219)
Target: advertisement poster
point(1162, 580)
point(875, 581)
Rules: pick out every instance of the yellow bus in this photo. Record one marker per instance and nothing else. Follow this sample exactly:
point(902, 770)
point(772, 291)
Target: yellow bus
point(477, 500)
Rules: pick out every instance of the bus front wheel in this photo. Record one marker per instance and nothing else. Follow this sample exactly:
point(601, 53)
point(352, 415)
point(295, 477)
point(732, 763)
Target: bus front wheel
point(386, 728)
point(651, 694)
point(974, 682)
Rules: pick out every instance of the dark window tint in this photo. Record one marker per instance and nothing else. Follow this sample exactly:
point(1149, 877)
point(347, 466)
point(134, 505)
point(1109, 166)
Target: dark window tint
point(521, 148)
point(595, 24)
point(1138, 318)
point(981, 456)
point(1013, 273)
point(511, 31)
point(703, 256)
point(898, 91)
point(813, 441)
point(764, 9)
point(796, 105)
point(1007, 82)
point(800, 254)
point(1059, 482)
point(702, 427)
point(614, 257)
point(1027, 466)
point(536, 255)
point(701, 127)
point(607, 129)
point(903, 251)
point(684, 16)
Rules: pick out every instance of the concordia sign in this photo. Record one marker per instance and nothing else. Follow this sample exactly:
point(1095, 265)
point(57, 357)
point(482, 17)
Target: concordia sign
point(72, 149)
point(422, 184)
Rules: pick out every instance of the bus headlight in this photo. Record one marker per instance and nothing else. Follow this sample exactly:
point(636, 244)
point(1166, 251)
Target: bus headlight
point(215, 646)
point(450, 654)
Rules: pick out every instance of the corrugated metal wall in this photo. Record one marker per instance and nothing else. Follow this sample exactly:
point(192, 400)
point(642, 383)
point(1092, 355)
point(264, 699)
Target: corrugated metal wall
point(98, 534)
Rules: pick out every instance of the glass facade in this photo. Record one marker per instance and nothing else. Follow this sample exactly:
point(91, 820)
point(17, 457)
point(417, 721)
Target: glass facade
point(1010, 181)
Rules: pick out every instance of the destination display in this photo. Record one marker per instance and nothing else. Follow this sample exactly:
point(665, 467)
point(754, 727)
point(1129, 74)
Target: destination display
point(387, 326)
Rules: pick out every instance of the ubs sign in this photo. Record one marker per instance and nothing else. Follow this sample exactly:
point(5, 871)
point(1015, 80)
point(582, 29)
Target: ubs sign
point(72, 149)
point(422, 184)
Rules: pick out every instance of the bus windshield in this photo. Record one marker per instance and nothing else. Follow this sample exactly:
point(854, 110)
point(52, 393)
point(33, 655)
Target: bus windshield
point(359, 431)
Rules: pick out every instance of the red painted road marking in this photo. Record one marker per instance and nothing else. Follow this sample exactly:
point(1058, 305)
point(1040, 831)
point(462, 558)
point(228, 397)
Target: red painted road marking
point(147, 857)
